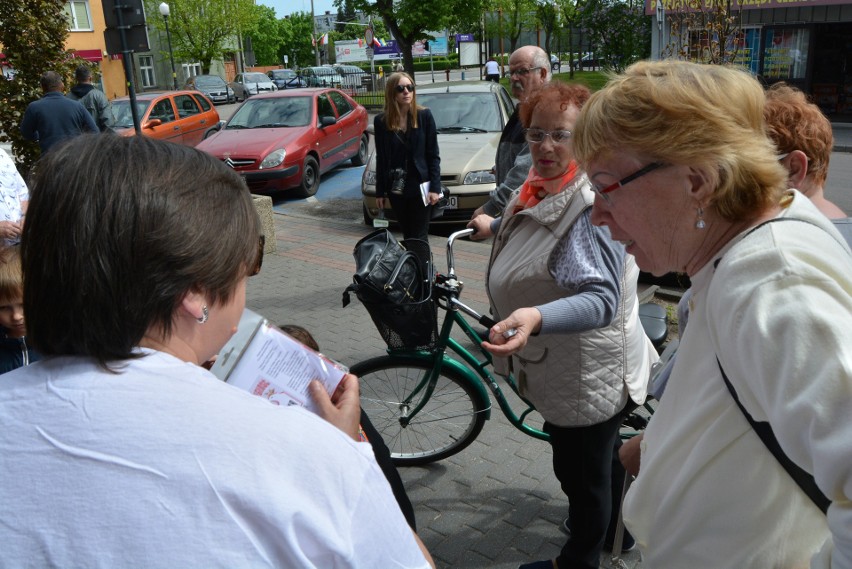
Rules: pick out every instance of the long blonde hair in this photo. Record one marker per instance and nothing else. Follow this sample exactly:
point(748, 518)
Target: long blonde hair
point(393, 116)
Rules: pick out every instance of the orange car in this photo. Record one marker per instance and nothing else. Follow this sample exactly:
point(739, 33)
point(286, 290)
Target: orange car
point(184, 117)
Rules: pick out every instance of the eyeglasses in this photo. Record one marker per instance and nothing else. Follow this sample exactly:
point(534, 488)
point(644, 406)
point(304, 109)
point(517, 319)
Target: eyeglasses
point(261, 245)
point(403, 88)
point(536, 135)
point(624, 181)
point(522, 71)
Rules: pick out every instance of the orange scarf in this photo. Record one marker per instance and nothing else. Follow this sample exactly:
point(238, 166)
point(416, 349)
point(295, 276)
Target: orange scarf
point(536, 188)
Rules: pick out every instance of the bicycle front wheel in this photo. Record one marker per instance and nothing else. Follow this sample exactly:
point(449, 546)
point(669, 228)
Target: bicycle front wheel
point(449, 421)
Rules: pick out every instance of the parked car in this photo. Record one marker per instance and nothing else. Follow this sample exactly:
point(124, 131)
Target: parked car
point(213, 86)
point(470, 117)
point(286, 140)
point(245, 85)
point(320, 76)
point(184, 117)
point(352, 78)
point(286, 79)
point(555, 64)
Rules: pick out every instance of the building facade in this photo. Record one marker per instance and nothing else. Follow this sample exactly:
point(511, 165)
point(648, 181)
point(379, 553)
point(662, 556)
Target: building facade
point(807, 43)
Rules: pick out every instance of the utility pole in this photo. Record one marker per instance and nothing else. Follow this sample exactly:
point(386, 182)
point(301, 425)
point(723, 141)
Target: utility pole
point(316, 39)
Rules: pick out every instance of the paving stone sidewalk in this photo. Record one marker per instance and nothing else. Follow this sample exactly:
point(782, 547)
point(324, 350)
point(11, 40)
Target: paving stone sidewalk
point(497, 503)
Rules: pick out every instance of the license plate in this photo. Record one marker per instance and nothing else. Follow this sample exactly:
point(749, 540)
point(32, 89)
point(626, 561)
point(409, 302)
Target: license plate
point(452, 202)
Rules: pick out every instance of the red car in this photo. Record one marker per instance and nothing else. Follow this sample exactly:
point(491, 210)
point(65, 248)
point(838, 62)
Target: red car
point(287, 139)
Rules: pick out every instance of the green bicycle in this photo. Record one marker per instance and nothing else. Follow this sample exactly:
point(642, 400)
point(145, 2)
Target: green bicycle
point(429, 405)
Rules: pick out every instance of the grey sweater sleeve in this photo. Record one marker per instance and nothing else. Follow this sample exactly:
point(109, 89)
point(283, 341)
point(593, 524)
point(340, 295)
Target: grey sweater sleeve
point(514, 179)
point(588, 264)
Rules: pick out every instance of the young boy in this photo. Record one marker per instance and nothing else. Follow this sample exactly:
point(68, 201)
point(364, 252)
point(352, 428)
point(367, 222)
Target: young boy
point(14, 351)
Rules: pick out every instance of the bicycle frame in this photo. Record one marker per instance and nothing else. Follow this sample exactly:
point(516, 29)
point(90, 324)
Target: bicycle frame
point(476, 372)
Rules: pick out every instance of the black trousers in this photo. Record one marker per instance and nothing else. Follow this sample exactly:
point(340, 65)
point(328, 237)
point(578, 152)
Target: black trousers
point(582, 462)
point(412, 215)
point(383, 457)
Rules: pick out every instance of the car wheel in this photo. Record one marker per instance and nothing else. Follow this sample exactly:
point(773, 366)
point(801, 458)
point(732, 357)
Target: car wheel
point(310, 178)
point(363, 147)
point(367, 220)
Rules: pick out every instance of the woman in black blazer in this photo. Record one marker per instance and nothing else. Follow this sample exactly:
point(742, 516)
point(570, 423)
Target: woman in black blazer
point(406, 157)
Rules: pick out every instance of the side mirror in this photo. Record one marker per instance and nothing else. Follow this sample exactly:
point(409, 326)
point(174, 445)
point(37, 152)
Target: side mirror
point(327, 121)
point(152, 123)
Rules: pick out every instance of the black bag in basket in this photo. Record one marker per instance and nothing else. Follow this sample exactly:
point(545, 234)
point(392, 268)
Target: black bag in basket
point(384, 271)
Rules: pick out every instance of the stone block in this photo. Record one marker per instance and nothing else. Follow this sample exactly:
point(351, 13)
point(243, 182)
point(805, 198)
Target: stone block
point(263, 205)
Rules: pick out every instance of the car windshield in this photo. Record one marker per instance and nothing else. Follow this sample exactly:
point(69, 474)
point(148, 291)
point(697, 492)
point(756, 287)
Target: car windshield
point(268, 113)
point(281, 74)
point(123, 116)
point(209, 81)
point(255, 78)
point(463, 112)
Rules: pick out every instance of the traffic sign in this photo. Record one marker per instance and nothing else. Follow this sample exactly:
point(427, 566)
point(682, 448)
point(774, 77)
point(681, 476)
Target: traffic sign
point(368, 36)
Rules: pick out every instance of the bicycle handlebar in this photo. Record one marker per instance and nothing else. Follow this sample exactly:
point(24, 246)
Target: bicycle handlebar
point(451, 275)
point(451, 269)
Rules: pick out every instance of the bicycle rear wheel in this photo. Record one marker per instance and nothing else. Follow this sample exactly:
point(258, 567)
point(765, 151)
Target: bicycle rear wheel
point(451, 419)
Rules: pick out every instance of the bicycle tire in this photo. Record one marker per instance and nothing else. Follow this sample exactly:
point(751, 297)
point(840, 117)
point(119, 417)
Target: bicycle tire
point(451, 419)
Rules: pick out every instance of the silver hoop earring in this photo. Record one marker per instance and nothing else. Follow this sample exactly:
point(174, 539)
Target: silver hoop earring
point(700, 223)
point(205, 314)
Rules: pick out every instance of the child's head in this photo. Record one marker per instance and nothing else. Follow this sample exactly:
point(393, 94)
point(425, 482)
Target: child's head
point(11, 292)
point(301, 335)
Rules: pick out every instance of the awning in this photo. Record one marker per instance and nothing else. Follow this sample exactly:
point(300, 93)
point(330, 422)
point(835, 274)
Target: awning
point(95, 55)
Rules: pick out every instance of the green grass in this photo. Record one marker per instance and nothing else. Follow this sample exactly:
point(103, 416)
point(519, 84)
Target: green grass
point(594, 80)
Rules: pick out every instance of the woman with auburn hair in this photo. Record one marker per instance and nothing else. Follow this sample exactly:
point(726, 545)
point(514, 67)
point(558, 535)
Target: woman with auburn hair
point(686, 178)
point(569, 292)
point(136, 254)
point(407, 156)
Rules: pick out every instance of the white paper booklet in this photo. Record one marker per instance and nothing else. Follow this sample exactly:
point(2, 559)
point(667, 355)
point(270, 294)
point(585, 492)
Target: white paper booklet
point(424, 192)
point(266, 362)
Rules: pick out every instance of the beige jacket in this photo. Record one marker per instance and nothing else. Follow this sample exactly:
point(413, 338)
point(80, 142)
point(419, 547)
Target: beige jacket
point(572, 379)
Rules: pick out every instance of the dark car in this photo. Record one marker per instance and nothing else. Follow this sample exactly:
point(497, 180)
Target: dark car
point(286, 79)
point(213, 86)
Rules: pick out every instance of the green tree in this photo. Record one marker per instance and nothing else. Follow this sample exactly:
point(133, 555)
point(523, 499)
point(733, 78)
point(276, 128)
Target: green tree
point(203, 29)
point(509, 18)
point(267, 36)
point(547, 16)
point(706, 31)
point(33, 34)
point(297, 30)
point(620, 31)
point(345, 13)
point(410, 20)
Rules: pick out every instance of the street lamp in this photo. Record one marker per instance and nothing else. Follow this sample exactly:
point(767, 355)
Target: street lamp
point(164, 11)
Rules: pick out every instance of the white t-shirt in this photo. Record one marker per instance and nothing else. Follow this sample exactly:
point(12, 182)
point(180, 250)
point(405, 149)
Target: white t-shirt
point(778, 312)
point(163, 465)
point(13, 191)
point(492, 68)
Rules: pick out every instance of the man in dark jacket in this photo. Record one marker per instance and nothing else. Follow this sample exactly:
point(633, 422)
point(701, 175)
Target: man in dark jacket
point(93, 99)
point(53, 118)
point(529, 69)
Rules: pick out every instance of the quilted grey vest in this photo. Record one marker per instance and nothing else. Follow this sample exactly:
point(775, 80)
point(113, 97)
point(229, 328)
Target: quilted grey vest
point(572, 379)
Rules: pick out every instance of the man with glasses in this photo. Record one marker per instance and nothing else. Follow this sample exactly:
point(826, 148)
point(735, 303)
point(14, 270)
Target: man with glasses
point(529, 69)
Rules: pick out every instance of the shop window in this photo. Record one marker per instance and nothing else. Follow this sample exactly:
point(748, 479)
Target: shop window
point(78, 16)
point(785, 53)
point(146, 70)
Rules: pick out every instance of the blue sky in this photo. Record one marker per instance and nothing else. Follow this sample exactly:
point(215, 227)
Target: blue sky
point(285, 7)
